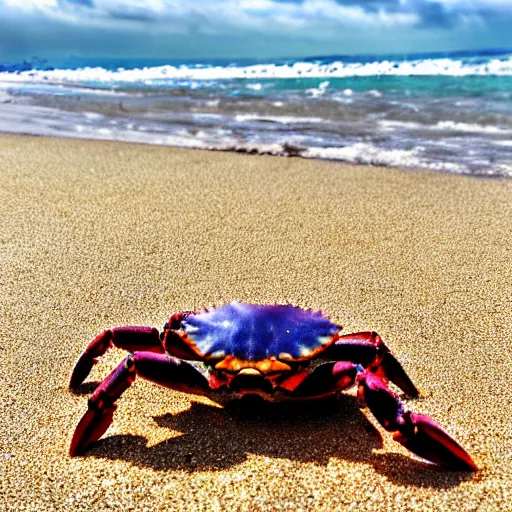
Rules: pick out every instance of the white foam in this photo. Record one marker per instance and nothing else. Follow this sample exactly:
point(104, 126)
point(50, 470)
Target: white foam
point(338, 69)
point(471, 128)
point(363, 153)
point(452, 126)
point(316, 92)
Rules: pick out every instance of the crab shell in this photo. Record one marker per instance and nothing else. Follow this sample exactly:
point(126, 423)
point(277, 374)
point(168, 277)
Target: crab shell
point(266, 338)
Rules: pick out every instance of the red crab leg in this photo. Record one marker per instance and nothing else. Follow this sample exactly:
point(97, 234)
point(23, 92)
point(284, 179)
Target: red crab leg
point(159, 368)
point(128, 338)
point(418, 433)
point(327, 379)
point(368, 350)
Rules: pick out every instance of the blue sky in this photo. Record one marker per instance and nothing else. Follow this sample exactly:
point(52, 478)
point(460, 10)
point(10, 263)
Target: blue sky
point(198, 29)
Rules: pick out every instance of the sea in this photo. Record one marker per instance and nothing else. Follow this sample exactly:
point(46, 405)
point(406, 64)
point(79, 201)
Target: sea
point(449, 112)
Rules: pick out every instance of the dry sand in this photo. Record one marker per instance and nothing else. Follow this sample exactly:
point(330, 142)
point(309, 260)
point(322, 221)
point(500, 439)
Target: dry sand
point(96, 234)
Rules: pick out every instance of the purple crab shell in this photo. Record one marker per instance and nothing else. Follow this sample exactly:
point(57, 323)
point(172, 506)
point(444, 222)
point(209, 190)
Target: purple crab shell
point(255, 332)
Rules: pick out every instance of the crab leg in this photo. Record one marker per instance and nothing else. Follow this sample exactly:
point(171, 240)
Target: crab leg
point(368, 350)
point(159, 368)
point(418, 433)
point(130, 339)
point(325, 380)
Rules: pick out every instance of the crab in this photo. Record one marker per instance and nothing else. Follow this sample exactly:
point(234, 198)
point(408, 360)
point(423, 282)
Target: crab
point(278, 352)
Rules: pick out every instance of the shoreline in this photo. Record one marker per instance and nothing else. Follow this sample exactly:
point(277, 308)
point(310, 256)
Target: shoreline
point(289, 151)
point(349, 123)
point(102, 233)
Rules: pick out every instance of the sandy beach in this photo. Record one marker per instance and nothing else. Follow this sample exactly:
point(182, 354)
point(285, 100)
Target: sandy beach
point(97, 234)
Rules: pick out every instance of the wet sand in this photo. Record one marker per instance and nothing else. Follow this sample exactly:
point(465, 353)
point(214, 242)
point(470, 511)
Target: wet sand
point(96, 234)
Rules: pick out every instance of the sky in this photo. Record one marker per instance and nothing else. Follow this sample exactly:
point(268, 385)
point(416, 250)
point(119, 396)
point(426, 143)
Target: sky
point(259, 29)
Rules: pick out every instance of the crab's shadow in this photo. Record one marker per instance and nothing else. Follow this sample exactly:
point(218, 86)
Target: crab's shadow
point(214, 438)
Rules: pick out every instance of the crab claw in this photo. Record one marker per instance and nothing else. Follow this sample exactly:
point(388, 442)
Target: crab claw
point(98, 417)
point(422, 436)
point(96, 348)
point(92, 426)
point(418, 433)
point(395, 372)
point(81, 370)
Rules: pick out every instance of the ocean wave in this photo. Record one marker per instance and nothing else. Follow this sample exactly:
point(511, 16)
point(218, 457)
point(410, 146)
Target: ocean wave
point(498, 65)
point(448, 126)
point(364, 153)
point(471, 128)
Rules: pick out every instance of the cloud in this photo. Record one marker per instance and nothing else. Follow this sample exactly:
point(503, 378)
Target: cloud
point(435, 14)
point(374, 5)
point(87, 3)
point(425, 13)
point(249, 27)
